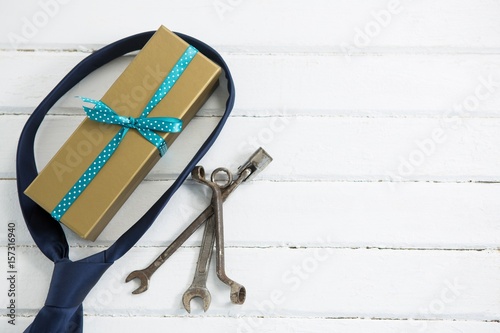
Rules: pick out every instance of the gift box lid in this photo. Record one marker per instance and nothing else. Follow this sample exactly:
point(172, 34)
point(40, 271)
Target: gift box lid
point(135, 156)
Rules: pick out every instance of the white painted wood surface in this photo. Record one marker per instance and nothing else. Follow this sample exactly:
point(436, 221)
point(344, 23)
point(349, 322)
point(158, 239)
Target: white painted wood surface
point(380, 212)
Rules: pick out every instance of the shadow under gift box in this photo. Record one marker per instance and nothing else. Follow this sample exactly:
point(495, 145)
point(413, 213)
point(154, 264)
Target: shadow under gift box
point(135, 156)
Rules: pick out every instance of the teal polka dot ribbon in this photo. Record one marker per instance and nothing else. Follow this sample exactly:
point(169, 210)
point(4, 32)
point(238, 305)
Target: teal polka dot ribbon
point(144, 125)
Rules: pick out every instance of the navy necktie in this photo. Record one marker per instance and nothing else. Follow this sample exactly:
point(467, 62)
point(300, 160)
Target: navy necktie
point(73, 280)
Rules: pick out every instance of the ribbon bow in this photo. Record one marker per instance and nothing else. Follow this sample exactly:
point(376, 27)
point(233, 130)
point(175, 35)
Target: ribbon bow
point(145, 126)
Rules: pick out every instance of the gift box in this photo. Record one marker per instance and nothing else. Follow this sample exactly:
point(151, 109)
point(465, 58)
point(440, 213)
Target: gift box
point(125, 134)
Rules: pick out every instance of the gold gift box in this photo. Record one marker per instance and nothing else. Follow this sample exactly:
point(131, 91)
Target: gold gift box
point(135, 156)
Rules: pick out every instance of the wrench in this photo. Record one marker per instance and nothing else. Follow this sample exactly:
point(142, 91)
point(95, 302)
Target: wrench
point(238, 291)
point(255, 164)
point(144, 275)
point(199, 286)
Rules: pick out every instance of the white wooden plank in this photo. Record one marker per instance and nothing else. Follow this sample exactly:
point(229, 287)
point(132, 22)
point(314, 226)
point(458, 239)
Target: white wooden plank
point(206, 323)
point(314, 282)
point(317, 214)
point(313, 148)
point(369, 225)
point(266, 26)
point(388, 85)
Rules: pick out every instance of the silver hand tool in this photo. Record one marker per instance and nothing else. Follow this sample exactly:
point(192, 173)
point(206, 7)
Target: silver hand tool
point(199, 286)
point(238, 291)
point(255, 164)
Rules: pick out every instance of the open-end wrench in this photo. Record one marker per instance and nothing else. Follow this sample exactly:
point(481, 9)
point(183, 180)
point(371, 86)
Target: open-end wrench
point(238, 291)
point(255, 164)
point(199, 286)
